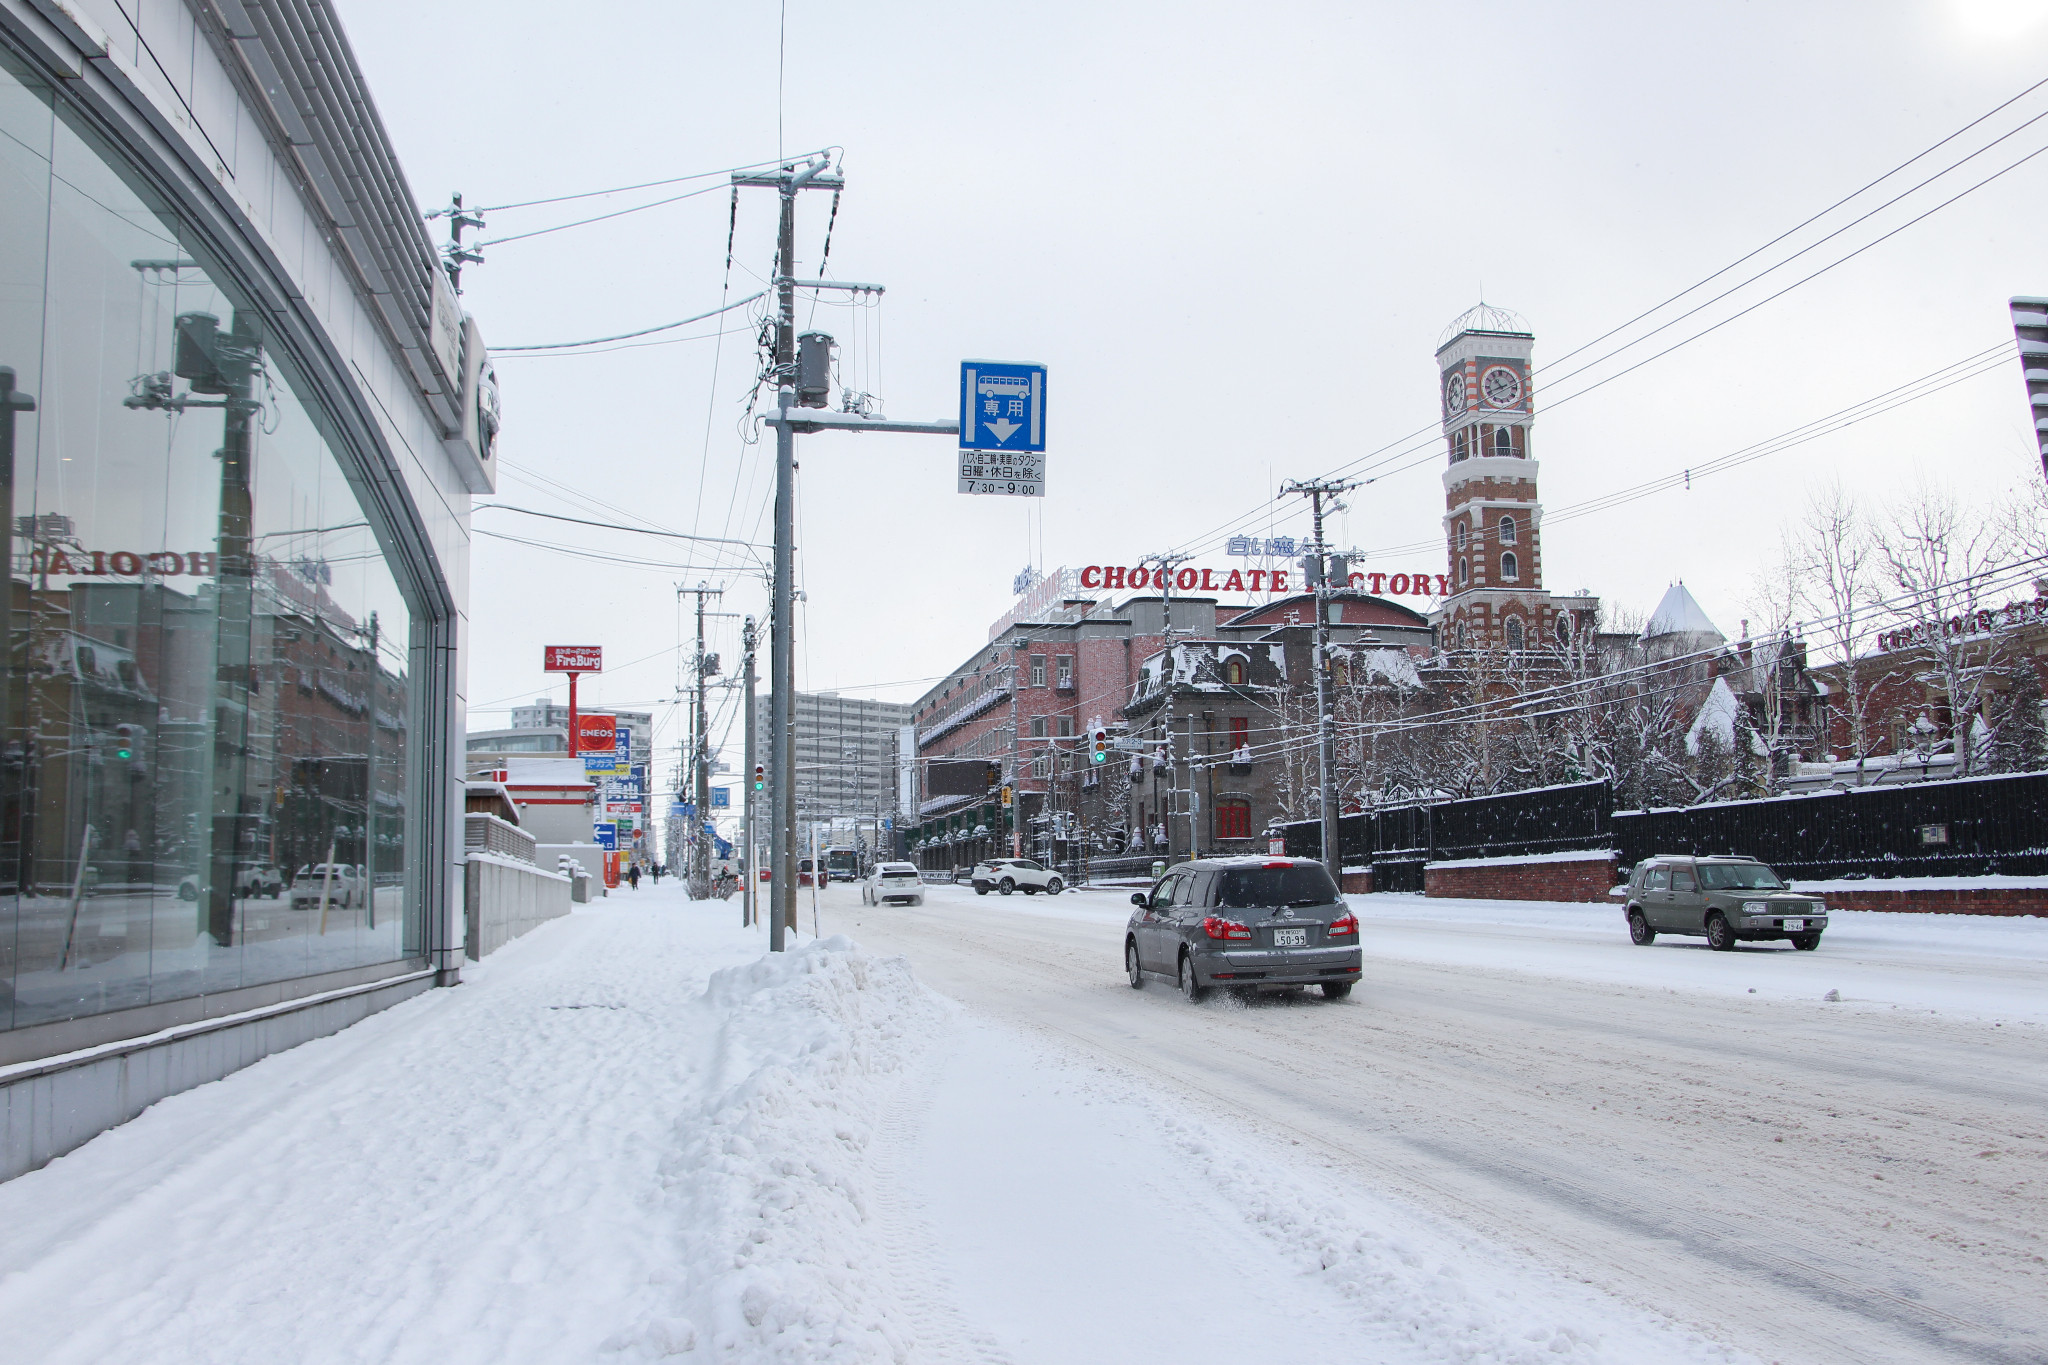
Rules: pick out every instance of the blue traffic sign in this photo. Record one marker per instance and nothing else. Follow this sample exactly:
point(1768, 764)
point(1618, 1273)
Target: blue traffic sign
point(607, 835)
point(1002, 406)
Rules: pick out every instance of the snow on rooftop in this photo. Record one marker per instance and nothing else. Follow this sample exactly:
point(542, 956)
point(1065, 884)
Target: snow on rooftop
point(1679, 614)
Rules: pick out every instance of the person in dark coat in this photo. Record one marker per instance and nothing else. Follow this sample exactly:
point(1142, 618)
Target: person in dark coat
point(633, 875)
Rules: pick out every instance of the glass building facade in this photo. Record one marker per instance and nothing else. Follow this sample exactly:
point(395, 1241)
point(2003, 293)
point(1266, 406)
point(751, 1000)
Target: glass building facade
point(209, 711)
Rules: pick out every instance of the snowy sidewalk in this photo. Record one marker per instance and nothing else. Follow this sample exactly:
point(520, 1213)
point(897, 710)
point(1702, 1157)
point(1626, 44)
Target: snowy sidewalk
point(576, 1154)
point(631, 1135)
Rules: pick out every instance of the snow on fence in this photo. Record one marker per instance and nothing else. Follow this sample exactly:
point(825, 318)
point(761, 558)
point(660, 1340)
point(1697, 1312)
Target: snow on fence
point(1968, 828)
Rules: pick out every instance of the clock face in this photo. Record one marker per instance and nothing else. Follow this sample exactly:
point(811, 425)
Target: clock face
point(1454, 393)
point(1501, 387)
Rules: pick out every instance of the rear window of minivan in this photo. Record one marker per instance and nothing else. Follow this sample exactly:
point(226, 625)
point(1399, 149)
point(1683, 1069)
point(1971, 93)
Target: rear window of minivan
point(1248, 888)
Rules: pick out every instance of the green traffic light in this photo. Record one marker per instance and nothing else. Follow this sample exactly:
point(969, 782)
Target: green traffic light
point(124, 753)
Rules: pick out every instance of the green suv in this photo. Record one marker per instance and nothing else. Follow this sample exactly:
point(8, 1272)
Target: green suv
point(1724, 899)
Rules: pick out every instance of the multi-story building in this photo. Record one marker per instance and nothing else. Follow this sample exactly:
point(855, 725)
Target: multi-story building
point(245, 415)
point(543, 728)
point(845, 756)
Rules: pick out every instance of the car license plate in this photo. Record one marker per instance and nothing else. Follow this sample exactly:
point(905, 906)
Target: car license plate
point(1795, 924)
point(1290, 938)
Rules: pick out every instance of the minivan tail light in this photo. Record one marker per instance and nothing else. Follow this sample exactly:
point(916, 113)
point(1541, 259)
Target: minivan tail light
point(1216, 927)
point(1343, 926)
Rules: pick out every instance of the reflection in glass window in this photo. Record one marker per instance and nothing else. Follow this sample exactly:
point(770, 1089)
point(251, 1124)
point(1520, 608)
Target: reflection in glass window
point(205, 693)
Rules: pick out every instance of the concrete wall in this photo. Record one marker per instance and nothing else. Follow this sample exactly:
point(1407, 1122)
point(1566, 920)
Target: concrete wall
point(51, 1106)
point(503, 898)
point(1552, 877)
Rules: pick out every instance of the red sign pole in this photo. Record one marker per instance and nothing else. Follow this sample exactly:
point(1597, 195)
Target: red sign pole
point(572, 659)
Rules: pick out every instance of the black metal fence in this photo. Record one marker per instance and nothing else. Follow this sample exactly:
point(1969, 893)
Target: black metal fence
point(1967, 827)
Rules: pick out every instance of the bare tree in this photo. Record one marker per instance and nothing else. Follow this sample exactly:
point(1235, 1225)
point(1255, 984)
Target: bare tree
point(1832, 571)
point(1941, 561)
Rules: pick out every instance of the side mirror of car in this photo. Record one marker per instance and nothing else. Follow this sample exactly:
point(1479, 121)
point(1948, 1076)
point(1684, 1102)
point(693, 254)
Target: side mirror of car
point(1138, 899)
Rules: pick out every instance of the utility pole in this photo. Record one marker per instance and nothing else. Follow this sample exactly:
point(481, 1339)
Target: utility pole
point(1315, 490)
point(788, 420)
point(700, 757)
point(1163, 575)
point(747, 840)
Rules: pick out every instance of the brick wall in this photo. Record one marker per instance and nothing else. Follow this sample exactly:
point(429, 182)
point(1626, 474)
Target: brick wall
point(1578, 879)
point(1969, 900)
point(1358, 883)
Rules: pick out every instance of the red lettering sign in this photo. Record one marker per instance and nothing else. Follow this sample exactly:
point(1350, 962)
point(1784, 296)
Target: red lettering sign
point(596, 734)
point(1117, 578)
point(575, 659)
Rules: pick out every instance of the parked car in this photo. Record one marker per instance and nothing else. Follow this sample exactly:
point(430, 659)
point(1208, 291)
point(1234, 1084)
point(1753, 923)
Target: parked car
point(1726, 900)
point(1015, 874)
point(258, 879)
point(1244, 923)
point(893, 884)
point(346, 891)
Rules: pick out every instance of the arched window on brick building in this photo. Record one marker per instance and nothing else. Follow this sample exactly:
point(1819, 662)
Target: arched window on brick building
point(1233, 672)
point(1513, 631)
point(1507, 530)
point(1510, 570)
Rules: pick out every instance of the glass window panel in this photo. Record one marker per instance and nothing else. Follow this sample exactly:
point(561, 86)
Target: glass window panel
point(206, 695)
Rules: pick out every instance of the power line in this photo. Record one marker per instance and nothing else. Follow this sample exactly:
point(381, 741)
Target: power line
point(626, 189)
point(609, 525)
point(628, 336)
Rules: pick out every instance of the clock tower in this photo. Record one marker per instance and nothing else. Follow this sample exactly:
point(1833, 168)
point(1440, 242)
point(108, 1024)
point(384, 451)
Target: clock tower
point(1493, 522)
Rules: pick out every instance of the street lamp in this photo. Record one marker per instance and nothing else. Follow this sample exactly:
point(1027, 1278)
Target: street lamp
point(1923, 732)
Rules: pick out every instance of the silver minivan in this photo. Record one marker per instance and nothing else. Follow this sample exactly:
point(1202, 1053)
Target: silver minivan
point(1244, 923)
point(1725, 900)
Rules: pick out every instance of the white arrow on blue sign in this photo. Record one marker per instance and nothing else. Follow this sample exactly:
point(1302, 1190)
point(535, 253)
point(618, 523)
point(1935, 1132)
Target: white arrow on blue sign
point(1002, 406)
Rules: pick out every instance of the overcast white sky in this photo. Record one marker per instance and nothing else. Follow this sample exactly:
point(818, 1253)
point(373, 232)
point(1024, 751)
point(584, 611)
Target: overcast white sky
point(1234, 233)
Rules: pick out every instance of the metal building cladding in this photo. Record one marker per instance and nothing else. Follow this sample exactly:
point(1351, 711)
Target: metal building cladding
point(245, 417)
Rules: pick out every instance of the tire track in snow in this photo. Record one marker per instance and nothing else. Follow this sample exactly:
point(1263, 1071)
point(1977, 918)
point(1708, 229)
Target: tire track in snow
point(1629, 1199)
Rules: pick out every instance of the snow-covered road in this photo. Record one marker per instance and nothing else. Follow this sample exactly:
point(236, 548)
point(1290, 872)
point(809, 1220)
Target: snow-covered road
point(630, 1136)
point(1803, 1179)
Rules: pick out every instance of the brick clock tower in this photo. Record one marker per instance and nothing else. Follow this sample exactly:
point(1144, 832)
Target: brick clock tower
point(1493, 522)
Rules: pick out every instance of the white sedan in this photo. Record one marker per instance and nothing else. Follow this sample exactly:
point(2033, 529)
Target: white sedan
point(893, 884)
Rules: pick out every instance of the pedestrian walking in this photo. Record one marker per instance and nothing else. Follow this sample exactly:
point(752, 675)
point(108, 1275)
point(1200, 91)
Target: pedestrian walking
point(657, 874)
point(633, 876)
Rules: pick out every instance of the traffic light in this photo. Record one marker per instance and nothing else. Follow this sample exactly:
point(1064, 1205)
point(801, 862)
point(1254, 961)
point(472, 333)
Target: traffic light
point(1100, 741)
point(994, 776)
point(760, 776)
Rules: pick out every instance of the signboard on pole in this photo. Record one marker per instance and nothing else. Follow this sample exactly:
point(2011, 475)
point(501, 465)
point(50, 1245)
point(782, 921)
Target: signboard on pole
point(606, 834)
point(1002, 406)
point(573, 659)
point(721, 798)
point(596, 735)
point(1002, 428)
point(603, 765)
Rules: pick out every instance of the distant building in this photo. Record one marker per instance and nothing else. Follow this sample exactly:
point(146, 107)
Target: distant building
point(543, 728)
point(845, 755)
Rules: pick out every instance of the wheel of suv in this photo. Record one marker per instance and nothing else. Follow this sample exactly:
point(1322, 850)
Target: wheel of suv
point(1806, 942)
point(1131, 967)
point(1190, 989)
point(1006, 885)
point(1639, 930)
point(981, 888)
point(1719, 936)
point(1336, 990)
point(1053, 887)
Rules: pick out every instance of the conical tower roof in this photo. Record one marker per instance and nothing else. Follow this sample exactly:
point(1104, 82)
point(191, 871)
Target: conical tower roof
point(1679, 614)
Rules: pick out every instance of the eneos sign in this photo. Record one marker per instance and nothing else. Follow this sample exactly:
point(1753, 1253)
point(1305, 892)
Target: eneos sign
point(596, 735)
